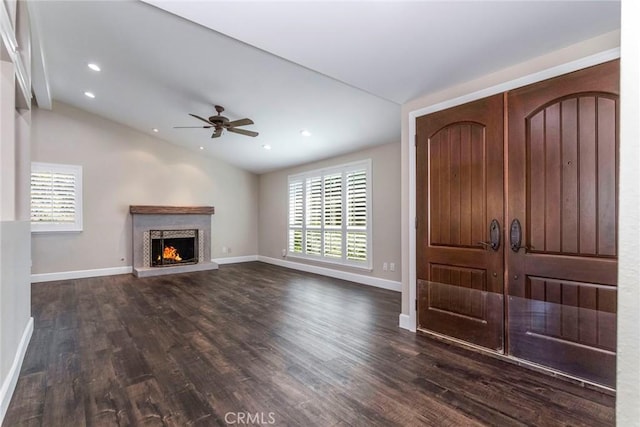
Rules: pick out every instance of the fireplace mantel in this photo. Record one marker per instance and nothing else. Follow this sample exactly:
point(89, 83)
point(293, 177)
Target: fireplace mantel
point(171, 210)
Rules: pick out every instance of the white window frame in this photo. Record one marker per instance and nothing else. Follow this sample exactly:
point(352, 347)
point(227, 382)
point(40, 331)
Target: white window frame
point(52, 227)
point(321, 173)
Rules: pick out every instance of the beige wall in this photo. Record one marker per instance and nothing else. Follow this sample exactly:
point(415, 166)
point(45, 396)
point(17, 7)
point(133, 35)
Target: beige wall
point(385, 164)
point(123, 167)
point(511, 74)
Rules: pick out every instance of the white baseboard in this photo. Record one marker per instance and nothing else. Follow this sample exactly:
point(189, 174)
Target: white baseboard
point(344, 275)
point(112, 271)
point(81, 274)
point(235, 259)
point(405, 323)
point(9, 383)
point(338, 274)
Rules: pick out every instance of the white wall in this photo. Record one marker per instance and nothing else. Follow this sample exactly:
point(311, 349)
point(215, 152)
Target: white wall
point(628, 369)
point(7, 146)
point(123, 167)
point(15, 291)
point(385, 164)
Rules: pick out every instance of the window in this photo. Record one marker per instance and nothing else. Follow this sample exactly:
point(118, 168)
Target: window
point(56, 197)
point(330, 214)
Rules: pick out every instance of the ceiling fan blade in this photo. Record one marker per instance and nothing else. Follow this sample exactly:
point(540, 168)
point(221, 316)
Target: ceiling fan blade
point(194, 127)
point(200, 118)
point(217, 133)
point(243, 132)
point(241, 122)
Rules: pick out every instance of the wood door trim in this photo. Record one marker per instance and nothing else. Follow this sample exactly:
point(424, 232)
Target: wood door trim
point(505, 211)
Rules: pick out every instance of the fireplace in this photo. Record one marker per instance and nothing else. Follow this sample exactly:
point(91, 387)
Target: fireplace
point(171, 239)
point(173, 247)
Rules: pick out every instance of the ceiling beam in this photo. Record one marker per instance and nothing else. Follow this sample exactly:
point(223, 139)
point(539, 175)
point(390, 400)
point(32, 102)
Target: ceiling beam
point(39, 77)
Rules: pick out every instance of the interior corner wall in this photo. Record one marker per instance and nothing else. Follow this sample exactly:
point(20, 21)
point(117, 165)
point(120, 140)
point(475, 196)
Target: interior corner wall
point(385, 176)
point(545, 62)
point(123, 167)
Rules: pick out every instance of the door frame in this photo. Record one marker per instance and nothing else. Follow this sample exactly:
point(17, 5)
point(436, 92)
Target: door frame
point(410, 321)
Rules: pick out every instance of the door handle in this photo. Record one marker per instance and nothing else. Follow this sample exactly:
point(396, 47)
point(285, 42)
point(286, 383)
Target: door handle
point(494, 236)
point(515, 237)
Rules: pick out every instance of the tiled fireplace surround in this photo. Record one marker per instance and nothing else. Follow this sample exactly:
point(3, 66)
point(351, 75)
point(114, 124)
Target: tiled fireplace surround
point(146, 218)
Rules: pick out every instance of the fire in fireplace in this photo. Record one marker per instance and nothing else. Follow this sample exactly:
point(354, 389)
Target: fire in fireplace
point(173, 247)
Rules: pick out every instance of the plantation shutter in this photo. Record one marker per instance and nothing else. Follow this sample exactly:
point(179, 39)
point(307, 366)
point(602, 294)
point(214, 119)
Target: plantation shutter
point(313, 223)
point(55, 197)
point(296, 212)
point(357, 215)
point(329, 215)
point(333, 216)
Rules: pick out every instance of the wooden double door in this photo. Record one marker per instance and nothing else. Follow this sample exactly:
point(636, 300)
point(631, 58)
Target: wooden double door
point(517, 222)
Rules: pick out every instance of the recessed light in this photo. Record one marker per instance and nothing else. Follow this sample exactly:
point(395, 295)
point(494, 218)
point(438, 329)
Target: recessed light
point(202, 148)
point(305, 132)
point(90, 94)
point(266, 147)
point(93, 66)
point(155, 130)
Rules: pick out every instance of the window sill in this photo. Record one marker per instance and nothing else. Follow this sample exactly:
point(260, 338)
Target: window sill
point(76, 231)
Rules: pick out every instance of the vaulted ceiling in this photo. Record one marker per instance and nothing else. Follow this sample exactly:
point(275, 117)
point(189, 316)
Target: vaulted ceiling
point(338, 69)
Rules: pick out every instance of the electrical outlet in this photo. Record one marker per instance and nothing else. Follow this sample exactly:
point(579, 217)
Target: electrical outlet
point(392, 266)
point(229, 249)
point(284, 253)
point(384, 266)
point(225, 250)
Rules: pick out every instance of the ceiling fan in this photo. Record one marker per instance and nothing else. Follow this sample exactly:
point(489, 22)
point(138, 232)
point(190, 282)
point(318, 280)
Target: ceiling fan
point(220, 123)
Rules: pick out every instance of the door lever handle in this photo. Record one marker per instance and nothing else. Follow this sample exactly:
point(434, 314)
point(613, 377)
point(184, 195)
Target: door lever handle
point(515, 235)
point(489, 245)
point(494, 235)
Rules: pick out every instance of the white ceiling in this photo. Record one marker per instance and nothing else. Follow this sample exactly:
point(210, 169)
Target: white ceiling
point(157, 67)
point(402, 49)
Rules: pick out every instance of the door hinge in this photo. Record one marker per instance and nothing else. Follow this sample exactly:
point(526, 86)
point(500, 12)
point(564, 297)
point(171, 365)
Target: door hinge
point(416, 223)
point(416, 304)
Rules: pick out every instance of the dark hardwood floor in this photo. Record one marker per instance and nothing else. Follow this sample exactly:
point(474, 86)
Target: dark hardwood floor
point(254, 343)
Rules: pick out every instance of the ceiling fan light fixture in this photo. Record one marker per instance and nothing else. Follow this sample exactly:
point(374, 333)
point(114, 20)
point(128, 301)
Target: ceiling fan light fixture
point(155, 130)
point(222, 124)
point(89, 94)
point(201, 147)
point(94, 67)
point(305, 132)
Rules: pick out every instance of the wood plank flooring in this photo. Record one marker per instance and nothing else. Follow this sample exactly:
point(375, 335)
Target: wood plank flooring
point(255, 344)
